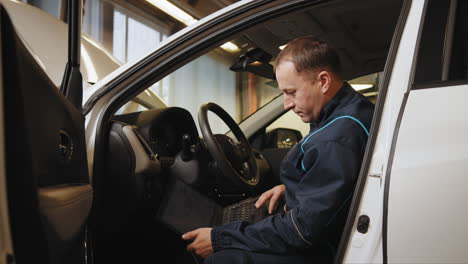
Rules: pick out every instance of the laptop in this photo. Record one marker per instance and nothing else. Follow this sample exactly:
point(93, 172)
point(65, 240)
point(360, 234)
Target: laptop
point(184, 209)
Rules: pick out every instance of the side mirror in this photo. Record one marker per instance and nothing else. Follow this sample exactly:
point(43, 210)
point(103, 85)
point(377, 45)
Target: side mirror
point(255, 61)
point(281, 138)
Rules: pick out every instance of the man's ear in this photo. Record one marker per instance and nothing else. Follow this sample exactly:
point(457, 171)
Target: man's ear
point(325, 79)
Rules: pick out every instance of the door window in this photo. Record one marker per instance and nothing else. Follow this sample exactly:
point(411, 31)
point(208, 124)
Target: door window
point(443, 55)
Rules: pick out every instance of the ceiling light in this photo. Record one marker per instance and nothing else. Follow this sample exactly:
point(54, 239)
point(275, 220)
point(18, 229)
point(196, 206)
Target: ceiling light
point(186, 19)
point(231, 47)
point(370, 94)
point(282, 47)
point(173, 11)
point(359, 87)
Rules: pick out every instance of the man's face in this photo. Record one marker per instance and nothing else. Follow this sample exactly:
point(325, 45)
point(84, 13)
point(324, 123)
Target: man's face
point(301, 91)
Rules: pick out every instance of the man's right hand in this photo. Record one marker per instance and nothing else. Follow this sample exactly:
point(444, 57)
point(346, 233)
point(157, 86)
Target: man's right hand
point(273, 195)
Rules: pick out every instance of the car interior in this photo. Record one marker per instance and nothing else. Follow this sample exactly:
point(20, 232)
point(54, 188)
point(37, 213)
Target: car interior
point(156, 156)
point(151, 153)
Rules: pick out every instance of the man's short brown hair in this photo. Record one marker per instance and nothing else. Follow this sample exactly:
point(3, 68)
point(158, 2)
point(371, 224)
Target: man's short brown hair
point(309, 53)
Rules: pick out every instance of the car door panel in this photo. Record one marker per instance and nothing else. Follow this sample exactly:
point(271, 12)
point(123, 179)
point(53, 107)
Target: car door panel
point(427, 187)
point(65, 208)
point(46, 162)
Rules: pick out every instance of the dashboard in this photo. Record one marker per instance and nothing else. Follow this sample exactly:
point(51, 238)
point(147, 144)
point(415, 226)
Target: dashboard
point(163, 129)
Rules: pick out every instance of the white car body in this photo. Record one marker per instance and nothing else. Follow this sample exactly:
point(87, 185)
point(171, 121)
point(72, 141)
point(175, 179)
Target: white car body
point(413, 179)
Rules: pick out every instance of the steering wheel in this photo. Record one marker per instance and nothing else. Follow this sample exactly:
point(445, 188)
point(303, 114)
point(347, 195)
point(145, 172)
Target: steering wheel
point(235, 159)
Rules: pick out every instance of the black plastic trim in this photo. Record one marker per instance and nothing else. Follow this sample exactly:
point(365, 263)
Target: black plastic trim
point(449, 35)
point(387, 180)
point(418, 50)
point(72, 82)
point(373, 136)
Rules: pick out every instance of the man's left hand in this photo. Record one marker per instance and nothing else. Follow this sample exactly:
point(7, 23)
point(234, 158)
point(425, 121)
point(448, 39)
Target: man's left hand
point(201, 244)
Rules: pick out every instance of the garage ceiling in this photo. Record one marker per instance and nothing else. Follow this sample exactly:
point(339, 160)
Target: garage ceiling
point(201, 8)
point(196, 8)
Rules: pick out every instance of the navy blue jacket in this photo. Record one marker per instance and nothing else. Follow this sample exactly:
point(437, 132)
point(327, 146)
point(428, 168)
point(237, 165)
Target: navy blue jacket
point(319, 173)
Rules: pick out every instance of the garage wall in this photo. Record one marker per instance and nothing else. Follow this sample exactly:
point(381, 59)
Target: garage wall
point(52, 7)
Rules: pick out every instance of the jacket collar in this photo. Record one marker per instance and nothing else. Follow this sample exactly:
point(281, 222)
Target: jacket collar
point(330, 107)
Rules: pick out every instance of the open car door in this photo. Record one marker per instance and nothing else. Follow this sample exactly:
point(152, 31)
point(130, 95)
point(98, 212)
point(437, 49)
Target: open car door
point(48, 189)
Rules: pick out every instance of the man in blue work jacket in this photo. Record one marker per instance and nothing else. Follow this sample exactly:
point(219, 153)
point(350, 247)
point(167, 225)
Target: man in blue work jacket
point(318, 174)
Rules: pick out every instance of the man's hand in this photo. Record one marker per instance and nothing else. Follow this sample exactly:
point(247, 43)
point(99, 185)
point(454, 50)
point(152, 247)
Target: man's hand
point(273, 195)
point(201, 244)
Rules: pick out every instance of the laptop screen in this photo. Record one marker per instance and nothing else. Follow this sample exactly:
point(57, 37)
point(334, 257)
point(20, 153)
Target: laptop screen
point(184, 209)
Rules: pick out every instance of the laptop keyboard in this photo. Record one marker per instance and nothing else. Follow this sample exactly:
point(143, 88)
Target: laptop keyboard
point(241, 211)
point(245, 210)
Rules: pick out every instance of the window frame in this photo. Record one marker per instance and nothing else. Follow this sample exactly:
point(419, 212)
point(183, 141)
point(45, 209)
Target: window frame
point(445, 53)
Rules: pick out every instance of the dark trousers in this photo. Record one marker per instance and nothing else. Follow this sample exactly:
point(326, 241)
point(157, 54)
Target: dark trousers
point(237, 256)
